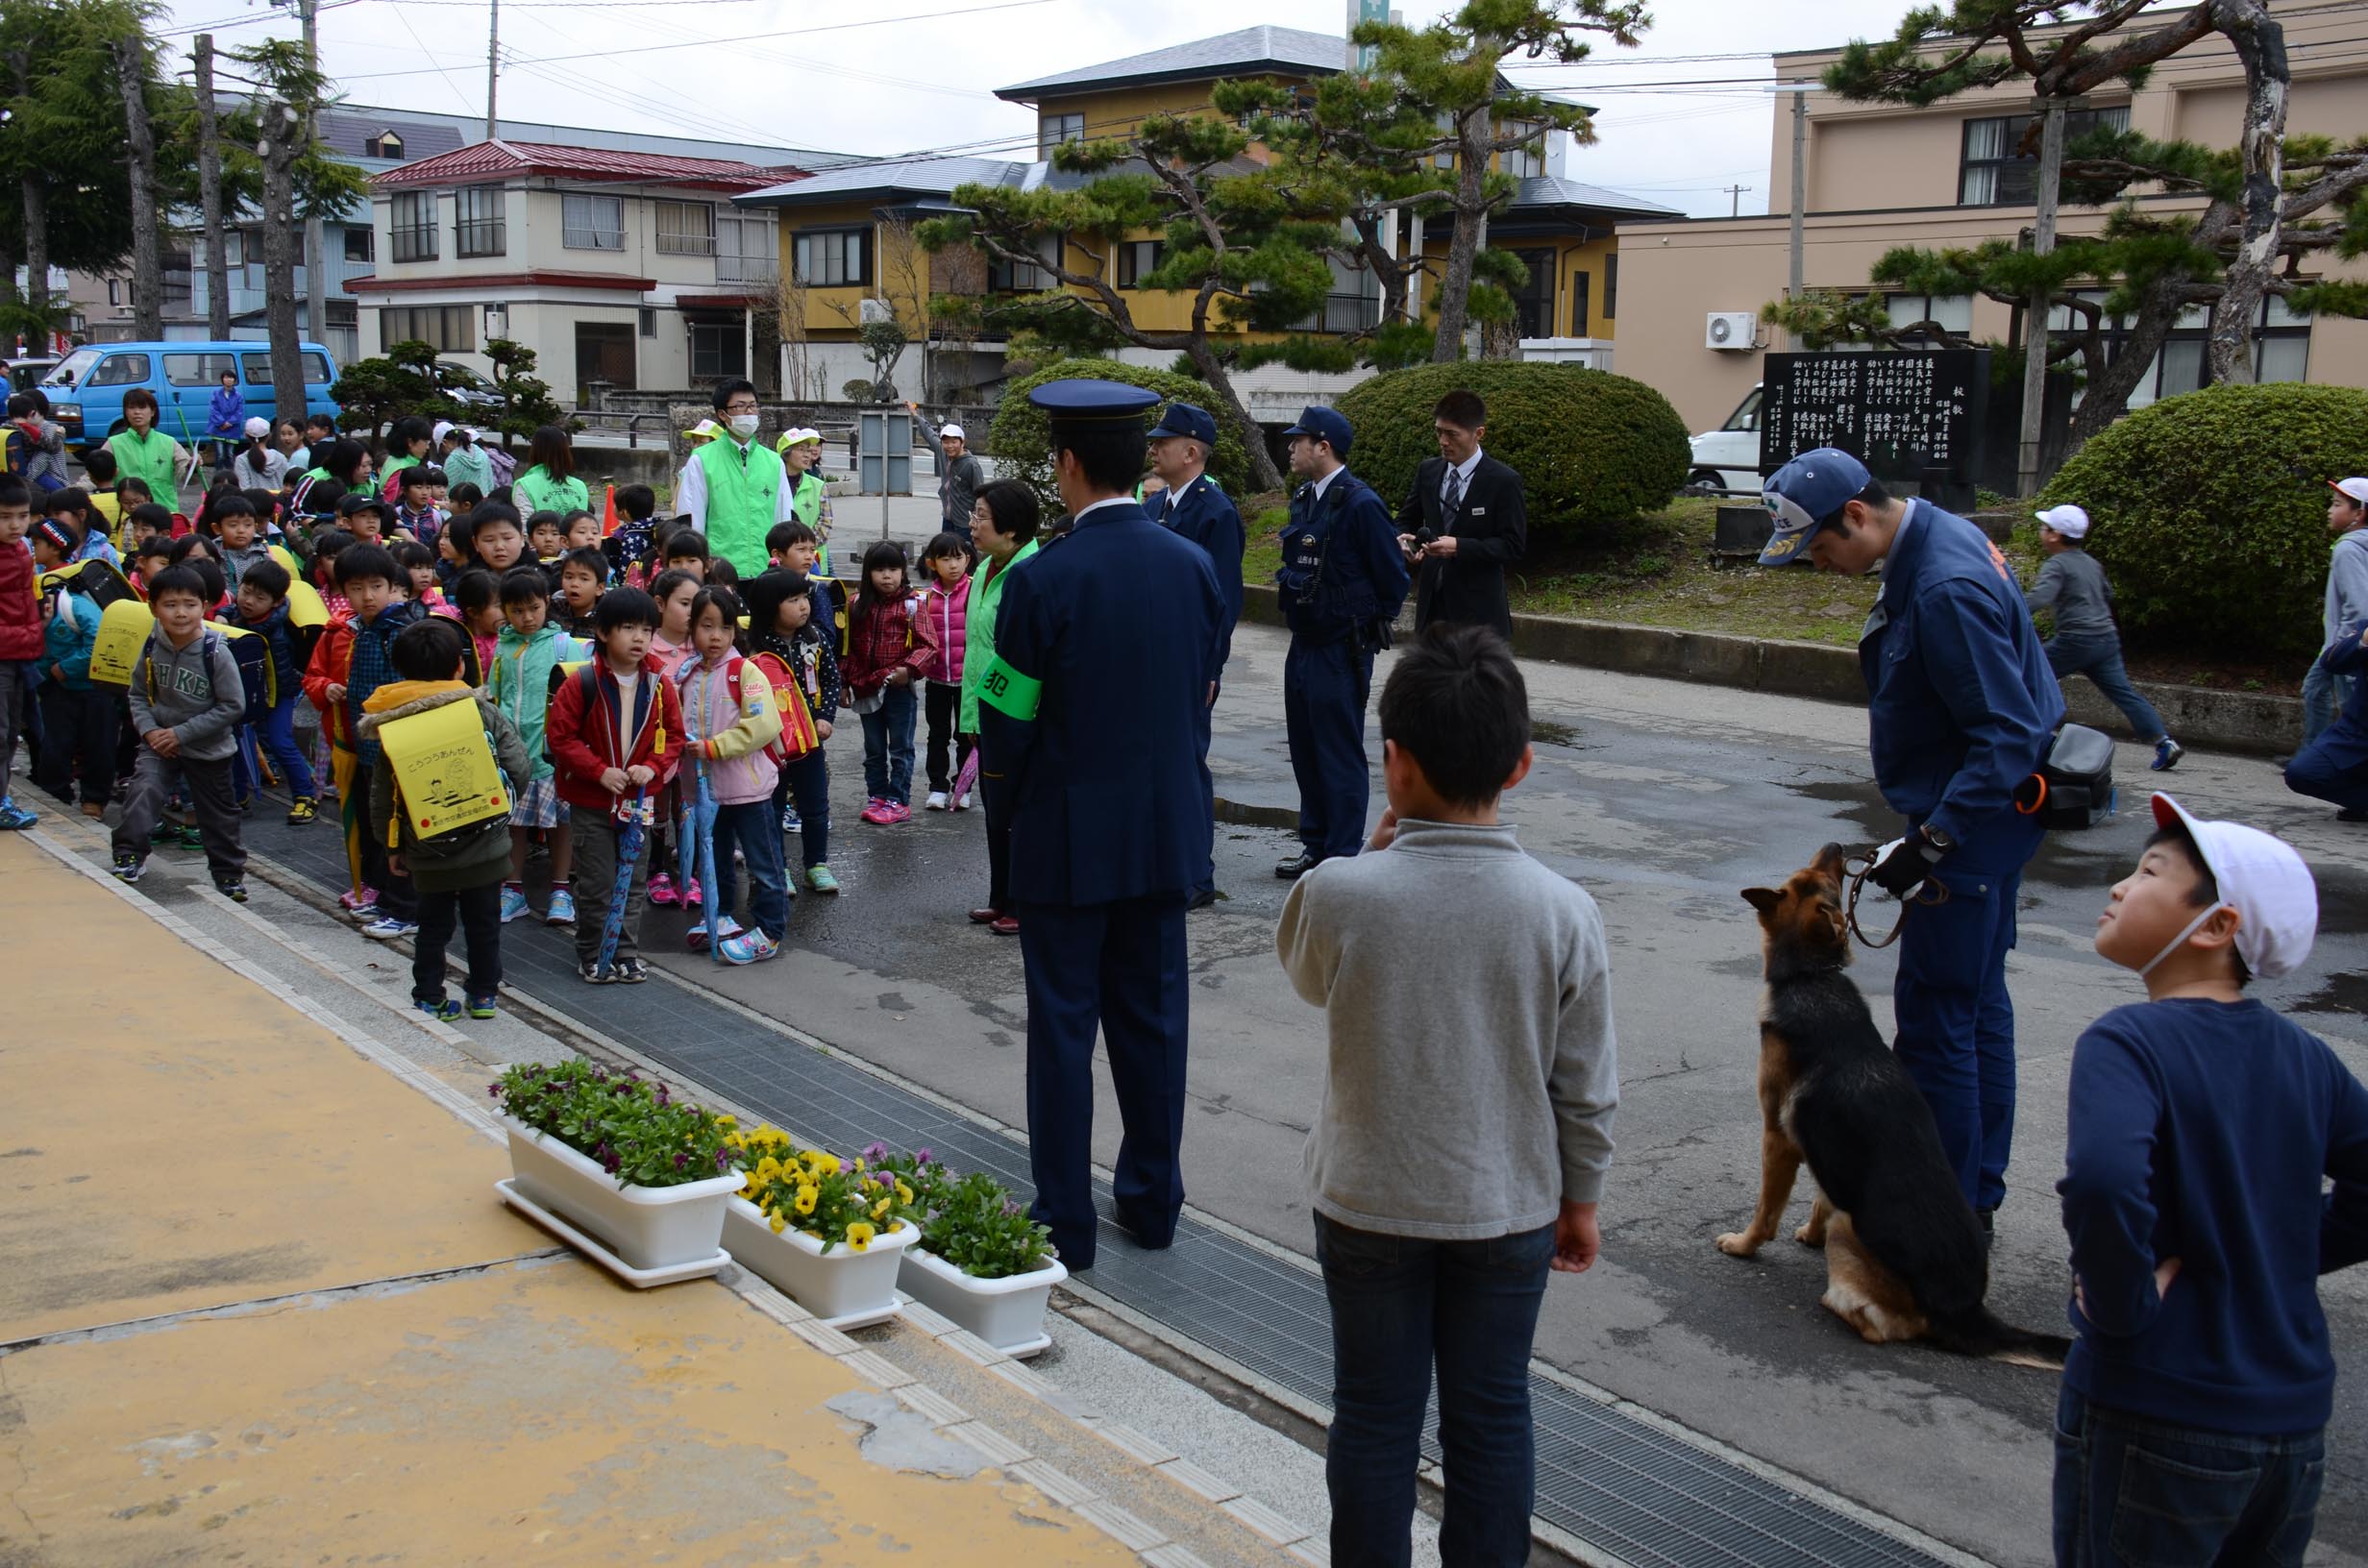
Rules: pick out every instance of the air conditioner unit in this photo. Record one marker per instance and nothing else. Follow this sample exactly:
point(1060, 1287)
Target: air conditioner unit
point(872, 312)
point(1730, 329)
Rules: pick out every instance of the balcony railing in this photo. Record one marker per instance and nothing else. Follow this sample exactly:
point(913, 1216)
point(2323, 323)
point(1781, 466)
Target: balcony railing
point(755, 271)
point(1342, 314)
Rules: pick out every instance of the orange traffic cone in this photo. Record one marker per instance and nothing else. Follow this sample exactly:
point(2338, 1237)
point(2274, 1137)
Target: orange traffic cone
point(608, 514)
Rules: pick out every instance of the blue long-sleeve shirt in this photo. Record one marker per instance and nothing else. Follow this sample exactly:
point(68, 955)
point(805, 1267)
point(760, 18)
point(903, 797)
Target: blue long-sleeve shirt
point(2347, 586)
point(2202, 1131)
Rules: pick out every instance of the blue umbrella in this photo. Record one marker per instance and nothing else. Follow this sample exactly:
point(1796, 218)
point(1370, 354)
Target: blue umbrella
point(632, 831)
point(696, 834)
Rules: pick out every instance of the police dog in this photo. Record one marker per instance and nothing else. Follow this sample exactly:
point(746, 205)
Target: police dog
point(1904, 1253)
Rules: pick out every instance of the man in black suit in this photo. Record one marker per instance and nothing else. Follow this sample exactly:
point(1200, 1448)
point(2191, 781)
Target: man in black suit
point(1463, 523)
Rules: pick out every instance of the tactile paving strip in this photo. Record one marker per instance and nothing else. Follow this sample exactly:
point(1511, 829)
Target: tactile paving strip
point(1623, 1486)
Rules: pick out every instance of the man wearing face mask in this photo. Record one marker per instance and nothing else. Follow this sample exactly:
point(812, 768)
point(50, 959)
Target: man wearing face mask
point(734, 489)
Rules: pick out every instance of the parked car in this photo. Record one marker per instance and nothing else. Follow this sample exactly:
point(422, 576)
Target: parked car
point(86, 390)
point(1727, 457)
point(26, 373)
point(468, 389)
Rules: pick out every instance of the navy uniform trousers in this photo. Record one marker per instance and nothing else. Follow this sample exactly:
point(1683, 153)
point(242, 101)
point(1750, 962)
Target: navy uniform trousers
point(1124, 964)
point(1325, 691)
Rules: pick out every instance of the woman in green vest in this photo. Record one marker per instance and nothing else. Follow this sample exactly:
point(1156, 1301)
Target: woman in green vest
point(1003, 518)
point(548, 484)
point(145, 452)
point(407, 447)
point(802, 451)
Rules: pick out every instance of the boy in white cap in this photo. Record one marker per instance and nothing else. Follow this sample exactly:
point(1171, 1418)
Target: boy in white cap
point(2191, 1423)
point(2087, 642)
point(2324, 689)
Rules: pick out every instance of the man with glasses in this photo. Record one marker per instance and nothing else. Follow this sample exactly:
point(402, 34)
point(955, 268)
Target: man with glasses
point(1962, 707)
point(734, 489)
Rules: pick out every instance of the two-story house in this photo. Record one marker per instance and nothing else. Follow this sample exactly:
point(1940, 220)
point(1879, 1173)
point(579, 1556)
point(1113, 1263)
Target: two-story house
point(847, 231)
point(622, 268)
point(1953, 175)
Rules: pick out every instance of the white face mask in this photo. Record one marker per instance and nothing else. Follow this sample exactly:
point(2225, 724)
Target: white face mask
point(744, 425)
point(2180, 941)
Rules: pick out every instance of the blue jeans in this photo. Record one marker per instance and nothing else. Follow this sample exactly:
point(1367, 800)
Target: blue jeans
point(2325, 694)
point(1399, 1304)
point(275, 738)
point(2099, 658)
point(807, 781)
point(2131, 1489)
point(755, 826)
point(888, 747)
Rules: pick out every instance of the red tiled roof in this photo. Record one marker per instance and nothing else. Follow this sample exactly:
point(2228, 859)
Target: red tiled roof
point(496, 159)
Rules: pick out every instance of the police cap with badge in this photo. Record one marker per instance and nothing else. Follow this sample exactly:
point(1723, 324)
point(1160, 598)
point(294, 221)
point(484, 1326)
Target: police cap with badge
point(1184, 419)
point(1080, 406)
point(1321, 424)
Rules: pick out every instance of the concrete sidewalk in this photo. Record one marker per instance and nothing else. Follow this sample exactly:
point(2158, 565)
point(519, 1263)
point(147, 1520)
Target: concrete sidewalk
point(257, 1303)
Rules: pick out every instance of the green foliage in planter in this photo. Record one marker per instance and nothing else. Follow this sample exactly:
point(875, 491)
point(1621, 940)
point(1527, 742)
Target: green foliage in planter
point(970, 1222)
point(633, 1126)
point(1593, 449)
point(2209, 511)
point(1022, 444)
point(817, 1193)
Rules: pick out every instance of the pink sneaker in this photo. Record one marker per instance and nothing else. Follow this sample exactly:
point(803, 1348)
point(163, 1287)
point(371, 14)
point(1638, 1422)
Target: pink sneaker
point(899, 812)
point(358, 898)
point(876, 811)
point(691, 897)
point(662, 890)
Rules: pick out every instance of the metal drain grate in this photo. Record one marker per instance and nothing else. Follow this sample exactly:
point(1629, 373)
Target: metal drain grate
point(1625, 1487)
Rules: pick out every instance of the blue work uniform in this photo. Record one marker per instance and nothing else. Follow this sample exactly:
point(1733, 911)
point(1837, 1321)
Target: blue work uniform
point(1089, 716)
point(2333, 767)
point(1962, 707)
point(1205, 515)
point(1342, 580)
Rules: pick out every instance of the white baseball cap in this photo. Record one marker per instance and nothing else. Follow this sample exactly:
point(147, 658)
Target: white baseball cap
point(2069, 521)
point(2357, 488)
point(259, 426)
point(443, 428)
point(950, 432)
point(2262, 879)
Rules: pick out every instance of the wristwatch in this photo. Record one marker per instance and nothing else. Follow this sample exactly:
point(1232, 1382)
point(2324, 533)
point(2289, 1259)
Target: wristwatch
point(1937, 843)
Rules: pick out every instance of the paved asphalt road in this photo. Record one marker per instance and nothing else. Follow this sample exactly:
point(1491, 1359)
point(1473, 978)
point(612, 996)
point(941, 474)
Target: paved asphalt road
point(1663, 799)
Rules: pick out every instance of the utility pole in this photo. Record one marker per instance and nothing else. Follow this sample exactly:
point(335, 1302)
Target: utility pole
point(1800, 91)
point(2051, 111)
point(1735, 200)
point(209, 197)
point(316, 281)
point(493, 69)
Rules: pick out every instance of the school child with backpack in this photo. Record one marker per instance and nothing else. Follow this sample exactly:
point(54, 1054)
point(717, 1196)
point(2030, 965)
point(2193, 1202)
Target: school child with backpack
point(581, 575)
point(21, 639)
point(236, 525)
point(457, 869)
point(526, 652)
point(186, 697)
point(615, 738)
point(887, 647)
point(263, 610)
point(351, 661)
point(78, 716)
point(784, 621)
point(945, 607)
point(732, 725)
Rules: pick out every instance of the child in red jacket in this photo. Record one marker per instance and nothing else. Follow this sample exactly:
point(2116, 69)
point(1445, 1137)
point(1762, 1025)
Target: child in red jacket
point(21, 636)
point(888, 647)
point(944, 609)
point(615, 738)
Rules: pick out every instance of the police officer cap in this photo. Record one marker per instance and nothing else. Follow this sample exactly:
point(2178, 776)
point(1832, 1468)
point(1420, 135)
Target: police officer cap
point(1803, 494)
point(1322, 424)
point(1185, 420)
point(1079, 400)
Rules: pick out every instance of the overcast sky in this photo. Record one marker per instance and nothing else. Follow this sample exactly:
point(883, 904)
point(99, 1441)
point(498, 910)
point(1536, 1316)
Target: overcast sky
point(794, 73)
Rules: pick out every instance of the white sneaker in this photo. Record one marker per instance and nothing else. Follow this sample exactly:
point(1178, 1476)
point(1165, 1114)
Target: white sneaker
point(962, 801)
point(935, 803)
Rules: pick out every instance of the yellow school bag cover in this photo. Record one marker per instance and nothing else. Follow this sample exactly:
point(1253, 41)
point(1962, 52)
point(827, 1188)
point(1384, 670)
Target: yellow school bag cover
point(444, 768)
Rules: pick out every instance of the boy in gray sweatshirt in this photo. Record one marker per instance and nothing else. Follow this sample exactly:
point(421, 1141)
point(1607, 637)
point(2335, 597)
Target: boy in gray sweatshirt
point(2073, 586)
point(186, 699)
point(1459, 1147)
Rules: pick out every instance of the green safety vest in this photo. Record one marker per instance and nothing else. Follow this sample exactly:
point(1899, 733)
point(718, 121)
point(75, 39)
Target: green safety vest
point(744, 487)
point(394, 466)
point(808, 499)
point(536, 491)
point(151, 460)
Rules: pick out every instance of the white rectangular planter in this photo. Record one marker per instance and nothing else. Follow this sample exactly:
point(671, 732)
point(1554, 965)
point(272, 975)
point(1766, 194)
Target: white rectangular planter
point(843, 1287)
point(647, 1227)
point(1007, 1313)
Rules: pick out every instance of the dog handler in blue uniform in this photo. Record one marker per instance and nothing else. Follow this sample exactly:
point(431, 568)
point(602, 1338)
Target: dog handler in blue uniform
point(1343, 579)
point(1089, 713)
point(1962, 707)
point(1193, 506)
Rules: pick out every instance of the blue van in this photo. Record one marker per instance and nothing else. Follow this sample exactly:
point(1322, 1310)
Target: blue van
point(86, 391)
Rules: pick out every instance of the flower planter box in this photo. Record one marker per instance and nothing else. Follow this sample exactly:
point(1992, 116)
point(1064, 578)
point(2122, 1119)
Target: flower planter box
point(647, 1229)
point(844, 1287)
point(1007, 1313)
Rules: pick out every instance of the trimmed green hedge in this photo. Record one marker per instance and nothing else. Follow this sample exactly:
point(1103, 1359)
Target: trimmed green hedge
point(1593, 449)
point(2209, 511)
point(1021, 445)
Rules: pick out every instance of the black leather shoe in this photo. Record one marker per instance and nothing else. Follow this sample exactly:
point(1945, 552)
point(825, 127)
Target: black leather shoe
point(1298, 865)
point(1201, 899)
point(1149, 1236)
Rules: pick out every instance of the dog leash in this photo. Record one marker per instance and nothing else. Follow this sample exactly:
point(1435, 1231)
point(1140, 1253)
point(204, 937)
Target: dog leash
point(1929, 893)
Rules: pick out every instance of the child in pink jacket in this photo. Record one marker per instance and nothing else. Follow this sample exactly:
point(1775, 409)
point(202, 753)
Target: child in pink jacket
point(729, 718)
point(944, 602)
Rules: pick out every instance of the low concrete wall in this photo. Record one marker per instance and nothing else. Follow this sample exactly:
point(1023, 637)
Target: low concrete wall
point(2251, 721)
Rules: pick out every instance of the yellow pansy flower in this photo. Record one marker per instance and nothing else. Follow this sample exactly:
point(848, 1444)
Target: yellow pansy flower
point(880, 1210)
point(805, 1199)
point(726, 1123)
point(779, 1224)
point(768, 1168)
point(859, 1236)
point(905, 1194)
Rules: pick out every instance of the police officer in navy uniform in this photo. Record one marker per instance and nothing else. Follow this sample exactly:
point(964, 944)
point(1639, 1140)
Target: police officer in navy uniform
point(1193, 506)
point(1961, 708)
point(1343, 579)
point(1090, 716)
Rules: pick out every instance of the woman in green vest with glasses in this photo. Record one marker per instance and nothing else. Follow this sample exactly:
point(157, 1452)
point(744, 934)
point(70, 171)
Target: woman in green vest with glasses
point(809, 496)
point(145, 452)
point(549, 483)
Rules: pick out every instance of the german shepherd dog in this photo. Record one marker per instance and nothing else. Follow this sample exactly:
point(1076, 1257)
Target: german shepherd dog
point(1904, 1253)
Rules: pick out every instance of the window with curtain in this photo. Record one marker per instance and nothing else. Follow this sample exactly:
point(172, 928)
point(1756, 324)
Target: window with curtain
point(414, 221)
point(592, 223)
point(1138, 259)
point(832, 258)
point(448, 329)
point(1992, 173)
point(686, 229)
point(477, 228)
point(1052, 130)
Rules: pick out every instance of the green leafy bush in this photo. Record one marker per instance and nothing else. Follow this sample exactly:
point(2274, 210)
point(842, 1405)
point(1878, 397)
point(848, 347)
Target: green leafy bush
point(2209, 512)
point(1022, 444)
point(633, 1125)
point(972, 1221)
point(1593, 449)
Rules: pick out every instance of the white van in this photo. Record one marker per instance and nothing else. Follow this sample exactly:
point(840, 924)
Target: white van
point(1727, 457)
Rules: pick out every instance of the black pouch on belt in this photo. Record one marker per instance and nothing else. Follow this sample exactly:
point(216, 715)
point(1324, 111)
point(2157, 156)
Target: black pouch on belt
point(2074, 786)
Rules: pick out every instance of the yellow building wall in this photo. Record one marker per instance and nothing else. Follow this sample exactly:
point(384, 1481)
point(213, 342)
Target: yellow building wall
point(1591, 257)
